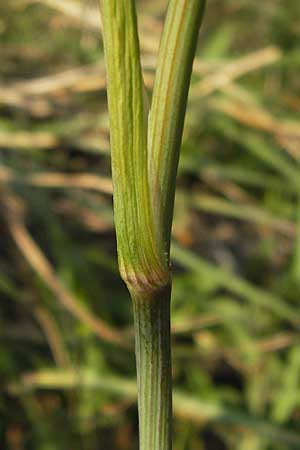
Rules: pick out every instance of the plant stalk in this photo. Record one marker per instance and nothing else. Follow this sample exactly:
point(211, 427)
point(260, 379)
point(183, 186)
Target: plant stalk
point(153, 360)
point(145, 145)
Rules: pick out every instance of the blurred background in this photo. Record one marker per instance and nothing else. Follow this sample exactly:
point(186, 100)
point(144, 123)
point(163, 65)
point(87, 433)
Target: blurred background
point(67, 365)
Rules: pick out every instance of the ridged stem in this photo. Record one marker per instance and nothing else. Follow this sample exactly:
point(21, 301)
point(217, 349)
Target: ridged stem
point(153, 360)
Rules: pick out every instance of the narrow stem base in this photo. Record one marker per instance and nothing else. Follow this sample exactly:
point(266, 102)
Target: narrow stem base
point(153, 359)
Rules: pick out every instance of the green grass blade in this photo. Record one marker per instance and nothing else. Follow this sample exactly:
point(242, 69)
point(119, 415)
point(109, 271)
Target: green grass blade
point(187, 406)
point(235, 284)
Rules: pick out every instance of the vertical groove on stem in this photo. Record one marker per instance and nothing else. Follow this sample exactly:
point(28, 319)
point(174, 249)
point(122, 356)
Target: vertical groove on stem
point(153, 360)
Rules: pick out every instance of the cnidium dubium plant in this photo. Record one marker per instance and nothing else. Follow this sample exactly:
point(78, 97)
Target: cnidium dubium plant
point(145, 144)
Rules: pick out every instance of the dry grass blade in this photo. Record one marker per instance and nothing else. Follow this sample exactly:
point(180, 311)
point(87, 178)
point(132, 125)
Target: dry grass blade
point(236, 69)
point(74, 10)
point(257, 117)
point(53, 336)
point(92, 19)
point(62, 180)
point(22, 140)
point(38, 261)
point(90, 77)
point(58, 180)
point(251, 213)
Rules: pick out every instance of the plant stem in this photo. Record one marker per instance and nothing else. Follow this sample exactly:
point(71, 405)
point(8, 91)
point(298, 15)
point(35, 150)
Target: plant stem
point(153, 360)
point(145, 149)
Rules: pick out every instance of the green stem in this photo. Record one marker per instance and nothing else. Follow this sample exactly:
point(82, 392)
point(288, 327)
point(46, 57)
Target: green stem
point(153, 360)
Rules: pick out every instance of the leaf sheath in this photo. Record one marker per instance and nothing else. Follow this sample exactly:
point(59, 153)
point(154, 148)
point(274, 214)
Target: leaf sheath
point(141, 258)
